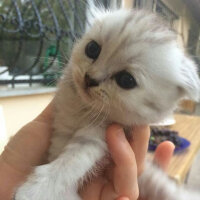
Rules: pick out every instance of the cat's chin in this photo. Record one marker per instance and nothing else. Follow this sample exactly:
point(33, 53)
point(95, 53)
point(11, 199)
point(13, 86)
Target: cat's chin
point(128, 118)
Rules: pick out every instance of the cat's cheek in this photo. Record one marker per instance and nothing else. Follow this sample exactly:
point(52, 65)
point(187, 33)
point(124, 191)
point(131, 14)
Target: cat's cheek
point(79, 83)
point(77, 75)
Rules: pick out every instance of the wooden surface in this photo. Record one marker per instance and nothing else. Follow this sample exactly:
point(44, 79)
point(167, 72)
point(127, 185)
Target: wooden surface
point(187, 106)
point(189, 128)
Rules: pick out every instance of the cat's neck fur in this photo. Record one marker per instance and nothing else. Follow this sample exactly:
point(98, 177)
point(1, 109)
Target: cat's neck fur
point(71, 113)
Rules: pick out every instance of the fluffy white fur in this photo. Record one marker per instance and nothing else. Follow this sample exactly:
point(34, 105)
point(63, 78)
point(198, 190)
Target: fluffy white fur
point(139, 43)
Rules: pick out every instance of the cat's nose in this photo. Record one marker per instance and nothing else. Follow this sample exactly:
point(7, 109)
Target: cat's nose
point(89, 82)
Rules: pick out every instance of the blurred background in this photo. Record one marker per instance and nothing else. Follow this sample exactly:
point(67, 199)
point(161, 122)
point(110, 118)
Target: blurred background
point(36, 38)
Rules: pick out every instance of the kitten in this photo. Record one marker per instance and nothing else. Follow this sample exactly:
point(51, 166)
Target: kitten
point(127, 68)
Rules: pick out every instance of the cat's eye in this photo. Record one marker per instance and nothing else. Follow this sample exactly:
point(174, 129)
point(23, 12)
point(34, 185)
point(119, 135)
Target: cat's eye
point(92, 50)
point(125, 80)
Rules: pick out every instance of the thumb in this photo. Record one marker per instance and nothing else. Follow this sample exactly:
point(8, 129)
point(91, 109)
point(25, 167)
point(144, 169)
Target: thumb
point(163, 154)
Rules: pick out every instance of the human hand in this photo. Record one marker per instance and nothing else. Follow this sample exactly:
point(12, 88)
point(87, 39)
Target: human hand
point(28, 148)
point(120, 182)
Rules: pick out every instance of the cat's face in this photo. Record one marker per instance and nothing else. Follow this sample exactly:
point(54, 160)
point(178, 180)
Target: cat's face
point(130, 65)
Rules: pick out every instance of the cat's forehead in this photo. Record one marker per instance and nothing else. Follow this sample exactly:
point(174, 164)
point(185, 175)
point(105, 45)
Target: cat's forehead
point(114, 25)
point(131, 26)
point(126, 38)
point(111, 26)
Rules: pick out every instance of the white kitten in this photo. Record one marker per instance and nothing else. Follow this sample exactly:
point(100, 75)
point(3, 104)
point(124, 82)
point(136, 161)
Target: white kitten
point(127, 68)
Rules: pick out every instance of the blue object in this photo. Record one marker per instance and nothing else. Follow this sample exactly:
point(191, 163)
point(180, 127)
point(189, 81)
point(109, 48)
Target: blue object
point(184, 145)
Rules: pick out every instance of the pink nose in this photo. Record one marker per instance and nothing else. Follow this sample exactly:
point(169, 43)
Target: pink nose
point(89, 82)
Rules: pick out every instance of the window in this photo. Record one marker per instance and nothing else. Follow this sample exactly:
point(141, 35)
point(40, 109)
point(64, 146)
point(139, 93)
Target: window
point(137, 4)
point(34, 49)
point(36, 38)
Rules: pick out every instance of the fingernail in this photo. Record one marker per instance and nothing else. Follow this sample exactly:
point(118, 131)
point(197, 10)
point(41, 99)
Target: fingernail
point(122, 198)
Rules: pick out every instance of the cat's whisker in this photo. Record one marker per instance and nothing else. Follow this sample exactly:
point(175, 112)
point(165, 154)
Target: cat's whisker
point(105, 112)
point(87, 108)
point(94, 112)
point(99, 114)
point(88, 105)
point(105, 116)
point(90, 114)
point(108, 109)
point(95, 119)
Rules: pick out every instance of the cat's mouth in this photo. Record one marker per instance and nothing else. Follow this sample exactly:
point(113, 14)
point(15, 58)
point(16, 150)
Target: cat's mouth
point(89, 84)
point(89, 89)
point(83, 89)
point(94, 93)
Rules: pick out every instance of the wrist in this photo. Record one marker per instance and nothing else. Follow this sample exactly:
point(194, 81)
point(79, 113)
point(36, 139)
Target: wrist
point(10, 179)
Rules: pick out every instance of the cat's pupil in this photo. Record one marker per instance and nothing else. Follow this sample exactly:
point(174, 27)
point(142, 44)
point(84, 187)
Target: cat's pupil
point(92, 50)
point(125, 80)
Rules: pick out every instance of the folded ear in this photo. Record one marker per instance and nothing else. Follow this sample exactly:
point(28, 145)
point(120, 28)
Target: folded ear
point(190, 82)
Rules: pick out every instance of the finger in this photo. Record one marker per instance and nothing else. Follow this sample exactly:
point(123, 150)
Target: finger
point(163, 154)
point(47, 114)
point(139, 143)
point(121, 151)
point(108, 172)
point(29, 146)
point(125, 170)
point(108, 192)
point(122, 198)
point(93, 190)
